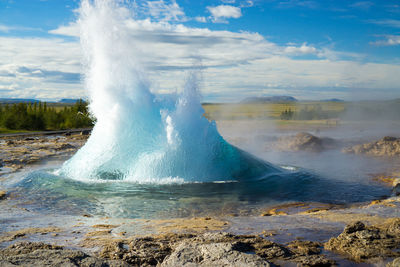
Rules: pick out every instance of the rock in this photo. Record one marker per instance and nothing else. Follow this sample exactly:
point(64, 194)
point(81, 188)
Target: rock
point(387, 146)
point(393, 227)
point(389, 139)
point(211, 249)
point(65, 146)
point(10, 143)
point(40, 254)
point(214, 254)
point(396, 189)
point(394, 263)
point(305, 247)
point(144, 251)
point(355, 227)
point(314, 261)
point(85, 132)
point(304, 142)
point(3, 194)
point(361, 243)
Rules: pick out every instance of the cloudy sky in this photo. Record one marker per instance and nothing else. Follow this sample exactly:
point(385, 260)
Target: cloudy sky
point(307, 49)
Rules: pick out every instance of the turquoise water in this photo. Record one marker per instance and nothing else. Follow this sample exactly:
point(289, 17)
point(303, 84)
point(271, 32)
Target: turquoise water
point(48, 193)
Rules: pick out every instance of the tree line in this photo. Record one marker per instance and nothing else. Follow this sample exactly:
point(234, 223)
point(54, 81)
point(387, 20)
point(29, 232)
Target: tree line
point(316, 113)
point(41, 116)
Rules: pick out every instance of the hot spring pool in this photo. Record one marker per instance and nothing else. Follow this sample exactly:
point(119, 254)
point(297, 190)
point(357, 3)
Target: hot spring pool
point(45, 192)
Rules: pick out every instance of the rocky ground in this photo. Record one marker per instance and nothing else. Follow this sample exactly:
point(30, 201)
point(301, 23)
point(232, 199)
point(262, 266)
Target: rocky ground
point(304, 141)
point(16, 153)
point(387, 146)
point(358, 242)
point(367, 238)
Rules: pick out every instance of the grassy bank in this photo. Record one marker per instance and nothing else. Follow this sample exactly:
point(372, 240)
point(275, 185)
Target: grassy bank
point(266, 110)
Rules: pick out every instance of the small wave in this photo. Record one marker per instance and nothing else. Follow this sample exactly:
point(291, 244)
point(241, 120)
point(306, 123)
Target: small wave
point(289, 168)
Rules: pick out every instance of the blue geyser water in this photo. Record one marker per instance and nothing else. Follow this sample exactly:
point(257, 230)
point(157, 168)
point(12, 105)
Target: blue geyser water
point(44, 192)
point(139, 136)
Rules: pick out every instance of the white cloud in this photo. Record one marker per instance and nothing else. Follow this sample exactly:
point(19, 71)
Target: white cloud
point(247, 3)
point(39, 67)
point(4, 28)
point(165, 12)
point(362, 5)
point(201, 19)
point(298, 3)
point(222, 12)
point(235, 64)
point(390, 40)
point(387, 22)
point(71, 29)
point(7, 28)
point(301, 50)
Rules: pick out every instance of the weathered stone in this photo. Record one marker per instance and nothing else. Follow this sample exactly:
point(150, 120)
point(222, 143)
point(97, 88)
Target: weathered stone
point(16, 153)
point(304, 142)
point(305, 247)
point(40, 254)
point(393, 227)
point(396, 189)
point(211, 249)
point(387, 146)
point(361, 243)
point(214, 254)
point(3, 195)
point(355, 227)
point(314, 261)
point(65, 146)
point(394, 263)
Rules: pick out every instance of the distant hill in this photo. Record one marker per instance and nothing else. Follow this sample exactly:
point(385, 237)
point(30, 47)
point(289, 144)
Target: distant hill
point(31, 100)
point(17, 100)
point(333, 100)
point(269, 99)
point(68, 100)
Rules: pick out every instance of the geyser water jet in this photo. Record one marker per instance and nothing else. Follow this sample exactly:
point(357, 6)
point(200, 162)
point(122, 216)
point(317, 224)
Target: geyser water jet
point(140, 136)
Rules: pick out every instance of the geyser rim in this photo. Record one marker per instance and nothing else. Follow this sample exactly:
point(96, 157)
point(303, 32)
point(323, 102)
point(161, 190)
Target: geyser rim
point(139, 181)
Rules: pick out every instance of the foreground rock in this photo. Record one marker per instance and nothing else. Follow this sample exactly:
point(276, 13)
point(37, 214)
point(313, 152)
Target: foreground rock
point(304, 142)
point(3, 194)
point(359, 242)
point(40, 254)
point(212, 249)
point(387, 146)
point(16, 152)
point(394, 263)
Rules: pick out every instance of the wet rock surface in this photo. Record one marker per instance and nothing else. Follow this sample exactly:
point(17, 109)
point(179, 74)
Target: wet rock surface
point(360, 242)
point(304, 142)
point(387, 146)
point(213, 249)
point(40, 254)
point(16, 153)
point(3, 194)
point(394, 263)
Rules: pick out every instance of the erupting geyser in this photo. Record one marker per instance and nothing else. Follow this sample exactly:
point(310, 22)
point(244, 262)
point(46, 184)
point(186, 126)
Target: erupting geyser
point(139, 136)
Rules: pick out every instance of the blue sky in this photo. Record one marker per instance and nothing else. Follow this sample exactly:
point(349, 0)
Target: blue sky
point(308, 49)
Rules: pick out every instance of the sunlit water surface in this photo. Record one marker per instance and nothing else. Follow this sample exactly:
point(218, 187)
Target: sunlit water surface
point(48, 193)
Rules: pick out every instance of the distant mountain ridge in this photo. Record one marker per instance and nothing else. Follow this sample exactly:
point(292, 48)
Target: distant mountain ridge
point(18, 100)
point(268, 99)
point(333, 100)
point(31, 100)
point(68, 100)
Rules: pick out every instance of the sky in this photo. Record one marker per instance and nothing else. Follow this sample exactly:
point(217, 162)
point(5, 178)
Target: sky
point(308, 49)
